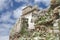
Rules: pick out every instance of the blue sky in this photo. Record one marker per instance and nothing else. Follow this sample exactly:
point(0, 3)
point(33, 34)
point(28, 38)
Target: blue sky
point(10, 11)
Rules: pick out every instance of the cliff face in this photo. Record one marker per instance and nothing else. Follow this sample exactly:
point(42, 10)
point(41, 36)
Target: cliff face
point(47, 25)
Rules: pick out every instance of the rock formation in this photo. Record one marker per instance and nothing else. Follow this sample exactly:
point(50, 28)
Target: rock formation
point(35, 24)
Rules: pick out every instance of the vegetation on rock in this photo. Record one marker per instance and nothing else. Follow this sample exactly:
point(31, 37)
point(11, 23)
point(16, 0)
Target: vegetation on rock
point(47, 26)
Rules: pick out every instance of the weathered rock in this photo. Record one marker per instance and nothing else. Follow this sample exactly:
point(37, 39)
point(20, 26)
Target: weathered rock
point(45, 25)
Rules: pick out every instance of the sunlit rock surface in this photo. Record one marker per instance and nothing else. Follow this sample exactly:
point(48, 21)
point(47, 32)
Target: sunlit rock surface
point(36, 24)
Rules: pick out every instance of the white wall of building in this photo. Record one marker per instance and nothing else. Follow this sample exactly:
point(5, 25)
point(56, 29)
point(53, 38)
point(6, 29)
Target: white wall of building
point(31, 24)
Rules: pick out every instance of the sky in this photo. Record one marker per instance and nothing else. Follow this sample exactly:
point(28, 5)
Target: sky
point(10, 11)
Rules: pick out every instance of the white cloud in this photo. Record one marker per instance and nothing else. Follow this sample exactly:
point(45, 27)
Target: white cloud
point(1, 29)
point(41, 0)
point(46, 2)
point(6, 26)
point(18, 0)
point(4, 37)
point(4, 29)
point(22, 0)
point(18, 12)
point(5, 16)
point(11, 21)
point(37, 0)
point(4, 4)
point(6, 23)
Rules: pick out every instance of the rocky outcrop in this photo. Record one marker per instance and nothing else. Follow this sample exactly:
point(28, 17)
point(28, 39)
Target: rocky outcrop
point(47, 25)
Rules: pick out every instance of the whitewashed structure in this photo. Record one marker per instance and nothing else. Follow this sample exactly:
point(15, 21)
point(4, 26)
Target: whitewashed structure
point(30, 12)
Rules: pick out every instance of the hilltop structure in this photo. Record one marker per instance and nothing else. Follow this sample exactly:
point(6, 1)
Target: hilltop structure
point(28, 14)
point(36, 24)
